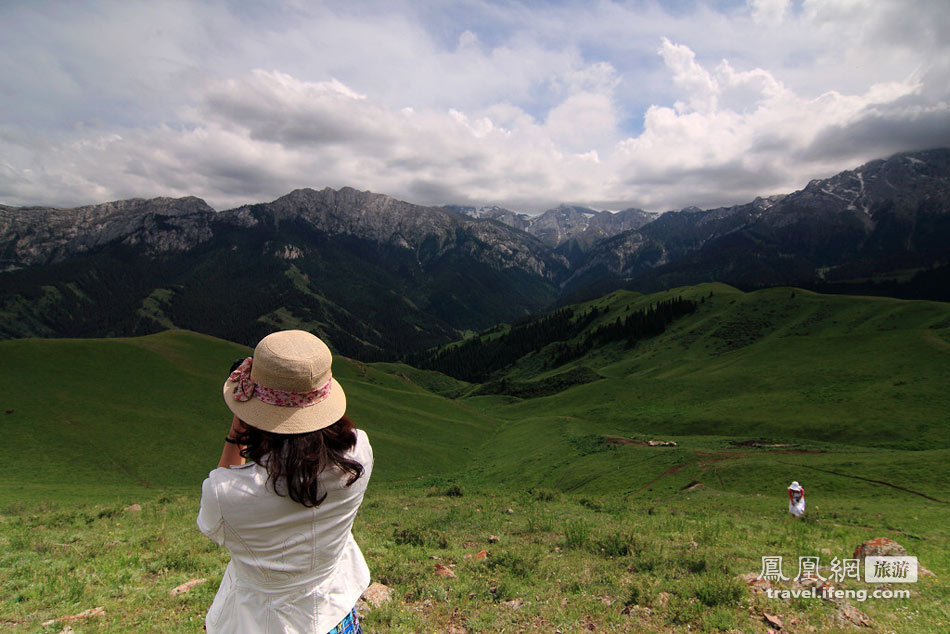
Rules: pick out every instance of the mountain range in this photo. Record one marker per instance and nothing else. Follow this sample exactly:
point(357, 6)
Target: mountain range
point(568, 229)
point(380, 278)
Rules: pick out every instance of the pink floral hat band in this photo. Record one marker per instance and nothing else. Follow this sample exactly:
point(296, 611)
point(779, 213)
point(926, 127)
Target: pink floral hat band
point(246, 389)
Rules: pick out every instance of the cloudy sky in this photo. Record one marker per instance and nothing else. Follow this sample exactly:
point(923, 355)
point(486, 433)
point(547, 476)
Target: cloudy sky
point(657, 105)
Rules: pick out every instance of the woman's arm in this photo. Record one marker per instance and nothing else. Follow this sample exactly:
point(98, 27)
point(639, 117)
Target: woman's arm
point(231, 454)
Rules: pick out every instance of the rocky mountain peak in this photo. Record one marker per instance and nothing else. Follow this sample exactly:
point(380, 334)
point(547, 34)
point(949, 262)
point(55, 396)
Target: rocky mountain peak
point(762, 203)
point(893, 187)
point(363, 214)
point(573, 210)
point(493, 212)
point(564, 223)
point(430, 231)
point(43, 235)
point(385, 220)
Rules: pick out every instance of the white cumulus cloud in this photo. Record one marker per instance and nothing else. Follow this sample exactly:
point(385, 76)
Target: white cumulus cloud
point(603, 104)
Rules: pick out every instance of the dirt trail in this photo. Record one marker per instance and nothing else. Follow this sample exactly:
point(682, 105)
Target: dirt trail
point(668, 472)
point(716, 456)
point(618, 440)
point(888, 484)
point(936, 340)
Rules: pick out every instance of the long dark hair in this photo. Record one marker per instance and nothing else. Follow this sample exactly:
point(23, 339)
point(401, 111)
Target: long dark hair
point(298, 459)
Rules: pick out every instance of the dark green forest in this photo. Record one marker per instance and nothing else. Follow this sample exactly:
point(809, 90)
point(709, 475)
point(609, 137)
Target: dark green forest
point(477, 358)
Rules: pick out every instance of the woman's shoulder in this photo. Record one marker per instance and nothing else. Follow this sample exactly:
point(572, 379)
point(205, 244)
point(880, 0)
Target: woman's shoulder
point(363, 447)
point(240, 482)
point(222, 477)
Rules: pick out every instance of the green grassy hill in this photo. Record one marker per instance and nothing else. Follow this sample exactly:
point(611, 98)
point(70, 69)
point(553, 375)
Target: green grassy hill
point(782, 363)
point(597, 530)
point(113, 416)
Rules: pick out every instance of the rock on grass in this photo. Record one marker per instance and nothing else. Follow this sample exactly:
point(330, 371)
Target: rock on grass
point(185, 587)
point(99, 611)
point(880, 547)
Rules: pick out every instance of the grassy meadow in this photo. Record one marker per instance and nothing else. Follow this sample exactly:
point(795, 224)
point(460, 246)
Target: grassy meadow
point(561, 562)
point(779, 362)
point(591, 528)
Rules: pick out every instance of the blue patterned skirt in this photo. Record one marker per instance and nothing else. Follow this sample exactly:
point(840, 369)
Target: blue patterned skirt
point(349, 625)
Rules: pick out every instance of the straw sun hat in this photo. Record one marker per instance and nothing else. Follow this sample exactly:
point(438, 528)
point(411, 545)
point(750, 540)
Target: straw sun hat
point(286, 387)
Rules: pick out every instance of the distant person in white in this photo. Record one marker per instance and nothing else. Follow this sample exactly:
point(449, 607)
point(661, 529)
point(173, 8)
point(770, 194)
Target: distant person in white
point(796, 499)
point(283, 498)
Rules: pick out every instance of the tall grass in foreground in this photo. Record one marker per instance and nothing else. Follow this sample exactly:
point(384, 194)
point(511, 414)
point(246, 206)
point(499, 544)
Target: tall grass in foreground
point(560, 563)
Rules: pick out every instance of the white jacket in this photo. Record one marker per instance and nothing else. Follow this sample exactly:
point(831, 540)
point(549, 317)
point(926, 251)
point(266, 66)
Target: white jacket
point(293, 568)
